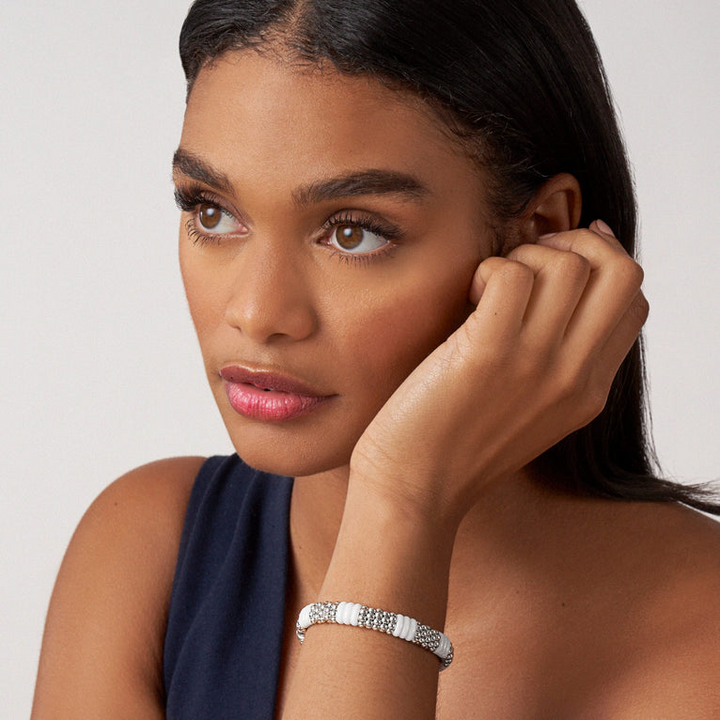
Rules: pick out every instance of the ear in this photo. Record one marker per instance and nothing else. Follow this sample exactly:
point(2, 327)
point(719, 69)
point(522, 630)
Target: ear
point(556, 207)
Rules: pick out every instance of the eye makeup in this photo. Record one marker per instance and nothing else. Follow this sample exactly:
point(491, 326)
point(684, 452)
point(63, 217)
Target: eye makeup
point(356, 228)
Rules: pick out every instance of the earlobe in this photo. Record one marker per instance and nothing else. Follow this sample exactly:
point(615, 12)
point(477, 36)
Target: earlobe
point(556, 207)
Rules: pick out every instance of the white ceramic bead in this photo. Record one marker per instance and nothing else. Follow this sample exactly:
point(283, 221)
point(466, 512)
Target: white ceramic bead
point(410, 635)
point(304, 618)
point(443, 647)
point(355, 614)
point(404, 627)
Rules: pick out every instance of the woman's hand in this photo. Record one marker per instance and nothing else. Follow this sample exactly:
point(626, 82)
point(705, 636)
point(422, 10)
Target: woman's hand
point(532, 363)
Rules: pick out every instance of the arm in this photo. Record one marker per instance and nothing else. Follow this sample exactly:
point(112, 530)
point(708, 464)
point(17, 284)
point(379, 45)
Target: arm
point(102, 648)
point(532, 363)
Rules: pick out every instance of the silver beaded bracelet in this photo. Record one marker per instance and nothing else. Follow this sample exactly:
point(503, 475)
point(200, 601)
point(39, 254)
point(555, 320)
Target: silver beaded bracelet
point(399, 626)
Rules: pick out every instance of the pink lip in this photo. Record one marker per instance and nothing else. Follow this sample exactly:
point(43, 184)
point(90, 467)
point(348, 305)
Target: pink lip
point(266, 396)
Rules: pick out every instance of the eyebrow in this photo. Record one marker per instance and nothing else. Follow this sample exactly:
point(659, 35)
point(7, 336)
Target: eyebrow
point(362, 182)
point(191, 165)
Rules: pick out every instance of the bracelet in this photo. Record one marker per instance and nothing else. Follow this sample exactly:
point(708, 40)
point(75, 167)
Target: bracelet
point(399, 626)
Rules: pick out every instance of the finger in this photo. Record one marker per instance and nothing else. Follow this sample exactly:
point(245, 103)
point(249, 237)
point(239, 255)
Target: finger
point(618, 345)
point(565, 240)
point(614, 282)
point(605, 231)
point(560, 281)
point(505, 287)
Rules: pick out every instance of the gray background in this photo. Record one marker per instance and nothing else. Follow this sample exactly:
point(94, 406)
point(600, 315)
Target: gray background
point(100, 370)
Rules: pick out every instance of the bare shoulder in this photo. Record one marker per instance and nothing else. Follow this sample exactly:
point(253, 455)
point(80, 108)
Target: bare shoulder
point(692, 585)
point(643, 626)
point(104, 633)
point(677, 668)
point(688, 546)
point(151, 498)
point(136, 522)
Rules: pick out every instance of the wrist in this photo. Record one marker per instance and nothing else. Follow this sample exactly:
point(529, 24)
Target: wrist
point(390, 623)
point(391, 555)
point(412, 501)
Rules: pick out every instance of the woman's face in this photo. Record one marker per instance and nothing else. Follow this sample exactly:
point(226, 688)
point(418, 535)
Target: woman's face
point(330, 233)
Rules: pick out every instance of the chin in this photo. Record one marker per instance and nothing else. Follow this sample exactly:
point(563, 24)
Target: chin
point(292, 459)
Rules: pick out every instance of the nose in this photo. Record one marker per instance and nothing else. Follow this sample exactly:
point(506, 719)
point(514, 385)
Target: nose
point(271, 297)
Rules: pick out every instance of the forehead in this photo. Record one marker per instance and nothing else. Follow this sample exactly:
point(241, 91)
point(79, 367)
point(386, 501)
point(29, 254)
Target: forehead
point(256, 110)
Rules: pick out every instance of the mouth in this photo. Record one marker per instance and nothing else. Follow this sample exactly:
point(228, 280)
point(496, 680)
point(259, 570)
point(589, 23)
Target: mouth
point(268, 396)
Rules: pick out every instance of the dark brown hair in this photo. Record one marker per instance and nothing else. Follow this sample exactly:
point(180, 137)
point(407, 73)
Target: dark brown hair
point(522, 80)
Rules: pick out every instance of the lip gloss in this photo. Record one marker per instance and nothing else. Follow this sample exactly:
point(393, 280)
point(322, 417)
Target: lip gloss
point(269, 405)
point(267, 396)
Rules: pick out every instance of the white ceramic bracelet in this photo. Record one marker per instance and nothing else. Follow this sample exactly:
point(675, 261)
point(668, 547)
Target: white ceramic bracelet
point(399, 626)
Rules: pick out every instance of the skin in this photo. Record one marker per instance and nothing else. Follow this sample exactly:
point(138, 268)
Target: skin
point(558, 606)
point(281, 297)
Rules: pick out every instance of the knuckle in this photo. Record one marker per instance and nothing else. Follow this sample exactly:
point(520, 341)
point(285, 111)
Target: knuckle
point(584, 391)
point(640, 308)
point(492, 264)
point(518, 253)
point(516, 272)
point(573, 382)
point(630, 272)
point(636, 273)
point(586, 235)
point(572, 265)
point(596, 395)
point(506, 270)
point(584, 394)
point(585, 238)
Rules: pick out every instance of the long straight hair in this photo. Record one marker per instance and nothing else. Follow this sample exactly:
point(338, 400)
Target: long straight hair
point(523, 82)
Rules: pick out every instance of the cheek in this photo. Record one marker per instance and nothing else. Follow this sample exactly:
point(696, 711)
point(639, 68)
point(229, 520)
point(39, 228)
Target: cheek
point(203, 297)
point(390, 333)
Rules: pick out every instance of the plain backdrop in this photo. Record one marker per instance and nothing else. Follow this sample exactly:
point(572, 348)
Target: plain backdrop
point(99, 366)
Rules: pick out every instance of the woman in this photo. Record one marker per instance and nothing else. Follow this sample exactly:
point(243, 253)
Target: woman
point(398, 247)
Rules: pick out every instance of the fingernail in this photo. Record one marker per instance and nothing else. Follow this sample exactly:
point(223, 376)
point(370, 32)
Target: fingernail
point(547, 236)
point(604, 227)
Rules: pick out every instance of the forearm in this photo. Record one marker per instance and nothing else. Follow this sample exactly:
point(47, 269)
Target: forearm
point(385, 558)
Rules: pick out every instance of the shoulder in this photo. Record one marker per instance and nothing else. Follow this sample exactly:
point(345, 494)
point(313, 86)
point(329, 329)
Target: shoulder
point(683, 546)
point(677, 651)
point(104, 632)
point(141, 511)
point(692, 579)
point(150, 499)
point(672, 558)
point(642, 625)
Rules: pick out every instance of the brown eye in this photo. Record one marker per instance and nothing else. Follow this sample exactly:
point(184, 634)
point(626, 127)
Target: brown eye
point(209, 216)
point(349, 236)
point(355, 239)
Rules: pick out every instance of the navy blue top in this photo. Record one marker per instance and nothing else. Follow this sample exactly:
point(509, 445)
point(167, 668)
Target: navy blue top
point(227, 609)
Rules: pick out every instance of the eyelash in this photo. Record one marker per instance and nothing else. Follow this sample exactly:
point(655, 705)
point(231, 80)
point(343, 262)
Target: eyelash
point(388, 232)
point(189, 199)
